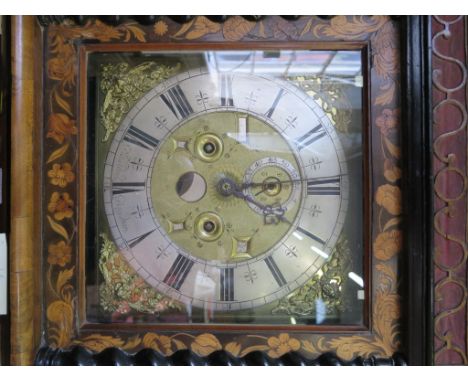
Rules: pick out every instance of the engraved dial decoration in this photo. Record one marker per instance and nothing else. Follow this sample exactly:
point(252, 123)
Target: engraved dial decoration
point(221, 209)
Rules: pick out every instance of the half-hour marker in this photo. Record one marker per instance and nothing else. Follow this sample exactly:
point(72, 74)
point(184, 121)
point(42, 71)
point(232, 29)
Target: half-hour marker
point(226, 284)
point(271, 110)
point(311, 235)
point(139, 239)
point(240, 248)
point(140, 138)
point(126, 187)
point(177, 103)
point(270, 262)
point(226, 90)
point(175, 226)
point(313, 135)
point(242, 132)
point(178, 272)
point(324, 186)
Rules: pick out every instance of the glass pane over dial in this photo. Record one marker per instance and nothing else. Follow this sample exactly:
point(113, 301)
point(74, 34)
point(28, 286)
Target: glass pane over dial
point(227, 190)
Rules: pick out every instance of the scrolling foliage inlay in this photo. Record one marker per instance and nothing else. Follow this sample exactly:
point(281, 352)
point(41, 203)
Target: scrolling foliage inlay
point(450, 112)
point(61, 244)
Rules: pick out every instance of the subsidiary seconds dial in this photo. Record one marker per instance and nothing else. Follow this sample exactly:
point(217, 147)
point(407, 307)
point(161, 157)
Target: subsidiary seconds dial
point(227, 206)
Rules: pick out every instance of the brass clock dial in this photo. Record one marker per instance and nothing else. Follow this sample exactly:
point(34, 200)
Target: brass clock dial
point(222, 208)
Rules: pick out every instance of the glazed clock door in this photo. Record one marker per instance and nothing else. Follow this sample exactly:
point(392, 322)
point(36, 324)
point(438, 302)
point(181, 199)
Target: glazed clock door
point(210, 188)
point(229, 190)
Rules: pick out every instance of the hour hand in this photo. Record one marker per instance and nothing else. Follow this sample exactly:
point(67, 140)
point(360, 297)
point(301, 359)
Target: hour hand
point(272, 213)
point(227, 187)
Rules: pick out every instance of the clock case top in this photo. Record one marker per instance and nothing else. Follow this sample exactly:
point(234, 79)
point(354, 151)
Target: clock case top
point(65, 47)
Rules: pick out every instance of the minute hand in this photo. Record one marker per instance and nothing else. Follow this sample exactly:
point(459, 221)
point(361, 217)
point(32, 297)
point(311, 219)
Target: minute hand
point(324, 179)
point(266, 208)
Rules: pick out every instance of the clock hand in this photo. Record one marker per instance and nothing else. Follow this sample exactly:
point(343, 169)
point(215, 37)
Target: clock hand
point(266, 185)
point(275, 212)
point(228, 187)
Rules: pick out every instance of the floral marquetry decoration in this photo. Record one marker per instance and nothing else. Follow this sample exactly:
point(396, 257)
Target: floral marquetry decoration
point(61, 174)
point(188, 206)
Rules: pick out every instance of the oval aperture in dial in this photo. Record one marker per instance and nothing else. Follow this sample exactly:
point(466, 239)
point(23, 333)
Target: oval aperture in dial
point(191, 186)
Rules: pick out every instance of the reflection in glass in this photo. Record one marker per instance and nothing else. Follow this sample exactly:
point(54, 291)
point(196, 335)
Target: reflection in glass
point(227, 187)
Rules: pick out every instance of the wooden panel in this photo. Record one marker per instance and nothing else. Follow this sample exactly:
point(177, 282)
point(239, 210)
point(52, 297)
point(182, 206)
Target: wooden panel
point(450, 105)
point(24, 190)
point(4, 165)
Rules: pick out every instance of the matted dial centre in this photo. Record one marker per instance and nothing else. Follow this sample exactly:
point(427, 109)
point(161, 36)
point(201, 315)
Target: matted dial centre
point(202, 185)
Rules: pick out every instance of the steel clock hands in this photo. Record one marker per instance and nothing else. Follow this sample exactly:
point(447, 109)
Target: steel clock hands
point(318, 180)
point(271, 213)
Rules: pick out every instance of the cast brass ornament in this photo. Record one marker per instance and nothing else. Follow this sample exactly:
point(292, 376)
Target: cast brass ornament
point(124, 85)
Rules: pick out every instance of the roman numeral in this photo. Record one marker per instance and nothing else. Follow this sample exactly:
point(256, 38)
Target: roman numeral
point(226, 90)
point(124, 188)
point(178, 272)
point(140, 138)
point(133, 242)
point(271, 110)
point(226, 286)
point(324, 186)
point(177, 103)
point(310, 137)
point(275, 271)
point(311, 235)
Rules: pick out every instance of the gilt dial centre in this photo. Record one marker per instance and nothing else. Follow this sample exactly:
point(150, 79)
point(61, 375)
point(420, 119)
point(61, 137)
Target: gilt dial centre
point(209, 177)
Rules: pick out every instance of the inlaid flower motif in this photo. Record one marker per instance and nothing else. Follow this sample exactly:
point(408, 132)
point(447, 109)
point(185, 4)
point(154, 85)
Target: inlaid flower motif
point(61, 205)
point(60, 127)
point(201, 27)
point(234, 348)
point(388, 244)
point(60, 68)
point(59, 254)
point(166, 344)
point(387, 121)
point(282, 344)
point(160, 343)
point(236, 27)
point(391, 171)
point(389, 197)
point(61, 314)
point(61, 174)
point(101, 32)
point(160, 28)
point(385, 51)
point(205, 344)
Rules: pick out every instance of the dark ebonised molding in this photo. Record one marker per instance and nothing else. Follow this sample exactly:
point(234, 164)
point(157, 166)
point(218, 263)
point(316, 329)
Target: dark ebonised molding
point(79, 356)
point(417, 188)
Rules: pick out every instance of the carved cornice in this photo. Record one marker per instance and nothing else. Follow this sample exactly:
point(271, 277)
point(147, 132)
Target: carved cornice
point(79, 356)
